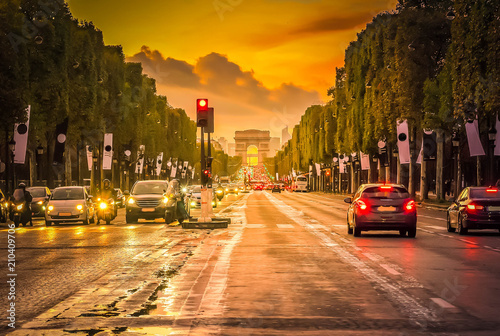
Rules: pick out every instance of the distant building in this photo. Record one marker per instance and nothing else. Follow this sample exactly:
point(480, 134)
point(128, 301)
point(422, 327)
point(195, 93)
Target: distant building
point(254, 145)
point(223, 143)
point(231, 149)
point(285, 136)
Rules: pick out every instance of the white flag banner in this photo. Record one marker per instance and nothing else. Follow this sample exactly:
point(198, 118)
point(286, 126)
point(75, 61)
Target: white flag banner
point(419, 158)
point(21, 138)
point(497, 141)
point(310, 170)
point(159, 161)
point(107, 156)
point(294, 174)
point(184, 168)
point(173, 172)
point(89, 158)
point(475, 146)
point(341, 167)
point(318, 169)
point(403, 142)
point(365, 161)
point(277, 177)
point(192, 177)
point(139, 166)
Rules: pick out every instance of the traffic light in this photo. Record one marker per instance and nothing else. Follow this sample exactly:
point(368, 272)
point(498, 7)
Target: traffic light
point(205, 176)
point(201, 112)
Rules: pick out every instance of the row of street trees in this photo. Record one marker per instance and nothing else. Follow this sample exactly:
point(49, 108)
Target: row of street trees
point(62, 68)
point(434, 63)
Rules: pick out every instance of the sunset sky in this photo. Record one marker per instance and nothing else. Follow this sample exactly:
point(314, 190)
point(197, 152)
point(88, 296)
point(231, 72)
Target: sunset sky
point(260, 63)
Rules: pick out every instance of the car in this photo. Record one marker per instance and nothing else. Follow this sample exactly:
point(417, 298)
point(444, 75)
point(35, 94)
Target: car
point(41, 196)
point(380, 206)
point(276, 188)
point(4, 207)
point(258, 187)
point(147, 200)
point(232, 189)
point(120, 198)
point(475, 208)
point(195, 198)
point(70, 204)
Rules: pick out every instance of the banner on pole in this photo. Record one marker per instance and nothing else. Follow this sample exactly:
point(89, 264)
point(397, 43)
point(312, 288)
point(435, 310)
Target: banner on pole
point(89, 157)
point(107, 154)
point(159, 162)
point(365, 161)
point(173, 172)
point(475, 146)
point(403, 142)
point(21, 138)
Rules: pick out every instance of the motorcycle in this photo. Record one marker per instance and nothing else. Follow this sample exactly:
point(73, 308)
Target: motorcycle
point(20, 210)
point(173, 211)
point(106, 210)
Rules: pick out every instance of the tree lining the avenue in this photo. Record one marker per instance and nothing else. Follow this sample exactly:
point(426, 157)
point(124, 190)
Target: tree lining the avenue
point(61, 68)
point(434, 63)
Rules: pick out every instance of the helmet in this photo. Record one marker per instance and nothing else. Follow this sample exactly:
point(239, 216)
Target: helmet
point(106, 183)
point(22, 185)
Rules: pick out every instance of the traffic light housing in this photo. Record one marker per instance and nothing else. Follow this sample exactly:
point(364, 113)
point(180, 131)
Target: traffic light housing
point(206, 174)
point(202, 112)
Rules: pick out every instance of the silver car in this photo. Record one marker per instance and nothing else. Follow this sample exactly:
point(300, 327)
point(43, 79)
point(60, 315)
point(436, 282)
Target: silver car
point(69, 204)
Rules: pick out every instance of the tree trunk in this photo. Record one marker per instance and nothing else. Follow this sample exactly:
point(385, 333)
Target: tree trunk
point(424, 190)
point(439, 165)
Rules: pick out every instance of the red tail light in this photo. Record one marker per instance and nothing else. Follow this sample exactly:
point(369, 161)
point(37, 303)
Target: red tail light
point(362, 206)
point(473, 207)
point(410, 205)
point(386, 187)
point(491, 190)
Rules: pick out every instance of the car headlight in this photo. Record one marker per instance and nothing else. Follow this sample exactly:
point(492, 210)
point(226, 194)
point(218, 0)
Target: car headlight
point(20, 207)
point(103, 205)
point(184, 190)
point(236, 189)
point(227, 189)
point(165, 200)
point(39, 202)
point(193, 203)
point(50, 208)
point(213, 203)
point(43, 208)
point(219, 191)
point(79, 207)
point(131, 200)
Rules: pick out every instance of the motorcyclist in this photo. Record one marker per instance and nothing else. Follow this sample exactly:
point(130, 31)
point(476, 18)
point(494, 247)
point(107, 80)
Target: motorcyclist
point(108, 192)
point(181, 210)
point(23, 195)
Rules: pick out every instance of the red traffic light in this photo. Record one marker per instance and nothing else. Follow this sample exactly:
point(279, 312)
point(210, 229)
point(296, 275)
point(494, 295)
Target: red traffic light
point(201, 105)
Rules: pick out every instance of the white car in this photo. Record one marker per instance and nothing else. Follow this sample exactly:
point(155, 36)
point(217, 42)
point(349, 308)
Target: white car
point(69, 204)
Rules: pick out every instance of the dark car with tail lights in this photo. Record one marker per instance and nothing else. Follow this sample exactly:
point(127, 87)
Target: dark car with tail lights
point(475, 208)
point(381, 207)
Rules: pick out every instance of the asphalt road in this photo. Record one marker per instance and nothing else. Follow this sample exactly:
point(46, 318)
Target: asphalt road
point(285, 266)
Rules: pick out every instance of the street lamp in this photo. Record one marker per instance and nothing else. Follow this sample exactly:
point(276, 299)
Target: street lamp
point(492, 135)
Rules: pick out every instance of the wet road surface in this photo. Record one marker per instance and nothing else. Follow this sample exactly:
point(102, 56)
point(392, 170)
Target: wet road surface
point(285, 266)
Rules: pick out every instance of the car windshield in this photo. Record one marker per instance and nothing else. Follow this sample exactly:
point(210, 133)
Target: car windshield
point(485, 193)
point(389, 193)
point(150, 188)
point(68, 194)
point(37, 192)
point(301, 179)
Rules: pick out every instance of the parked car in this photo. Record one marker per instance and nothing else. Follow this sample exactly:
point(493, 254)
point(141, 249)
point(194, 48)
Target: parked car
point(147, 200)
point(120, 198)
point(70, 204)
point(475, 208)
point(41, 196)
point(381, 207)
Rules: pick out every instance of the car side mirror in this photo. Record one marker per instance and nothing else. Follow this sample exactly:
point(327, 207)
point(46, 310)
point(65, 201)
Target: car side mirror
point(348, 200)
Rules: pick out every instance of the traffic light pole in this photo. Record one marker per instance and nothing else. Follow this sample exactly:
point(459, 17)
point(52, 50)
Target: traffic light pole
point(205, 197)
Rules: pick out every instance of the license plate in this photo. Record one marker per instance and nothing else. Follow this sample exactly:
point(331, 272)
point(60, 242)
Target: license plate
point(148, 209)
point(494, 208)
point(386, 208)
point(65, 214)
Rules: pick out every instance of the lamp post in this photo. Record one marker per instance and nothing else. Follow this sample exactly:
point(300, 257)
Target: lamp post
point(455, 141)
point(39, 153)
point(93, 173)
point(492, 135)
point(12, 147)
point(395, 155)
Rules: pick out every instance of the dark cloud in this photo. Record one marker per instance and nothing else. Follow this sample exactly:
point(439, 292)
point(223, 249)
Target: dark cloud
point(333, 23)
point(242, 101)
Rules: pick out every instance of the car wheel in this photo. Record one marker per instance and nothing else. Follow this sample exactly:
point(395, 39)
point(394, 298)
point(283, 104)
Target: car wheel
point(402, 233)
point(48, 223)
point(130, 220)
point(349, 228)
point(357, 232)
point(92, 219)
point(412, 232)
point(86, 221)
point(448, 224)
point(461, 230)
point(168, 218)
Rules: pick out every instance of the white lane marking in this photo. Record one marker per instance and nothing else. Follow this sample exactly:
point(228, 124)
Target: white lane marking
point(443, 304)
point(430, 217)
point(468, 241)
point(285, 226)
point(255, 226)
point(390, 270)
point(436, 227)
point(372, 257)
point(408, 304)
